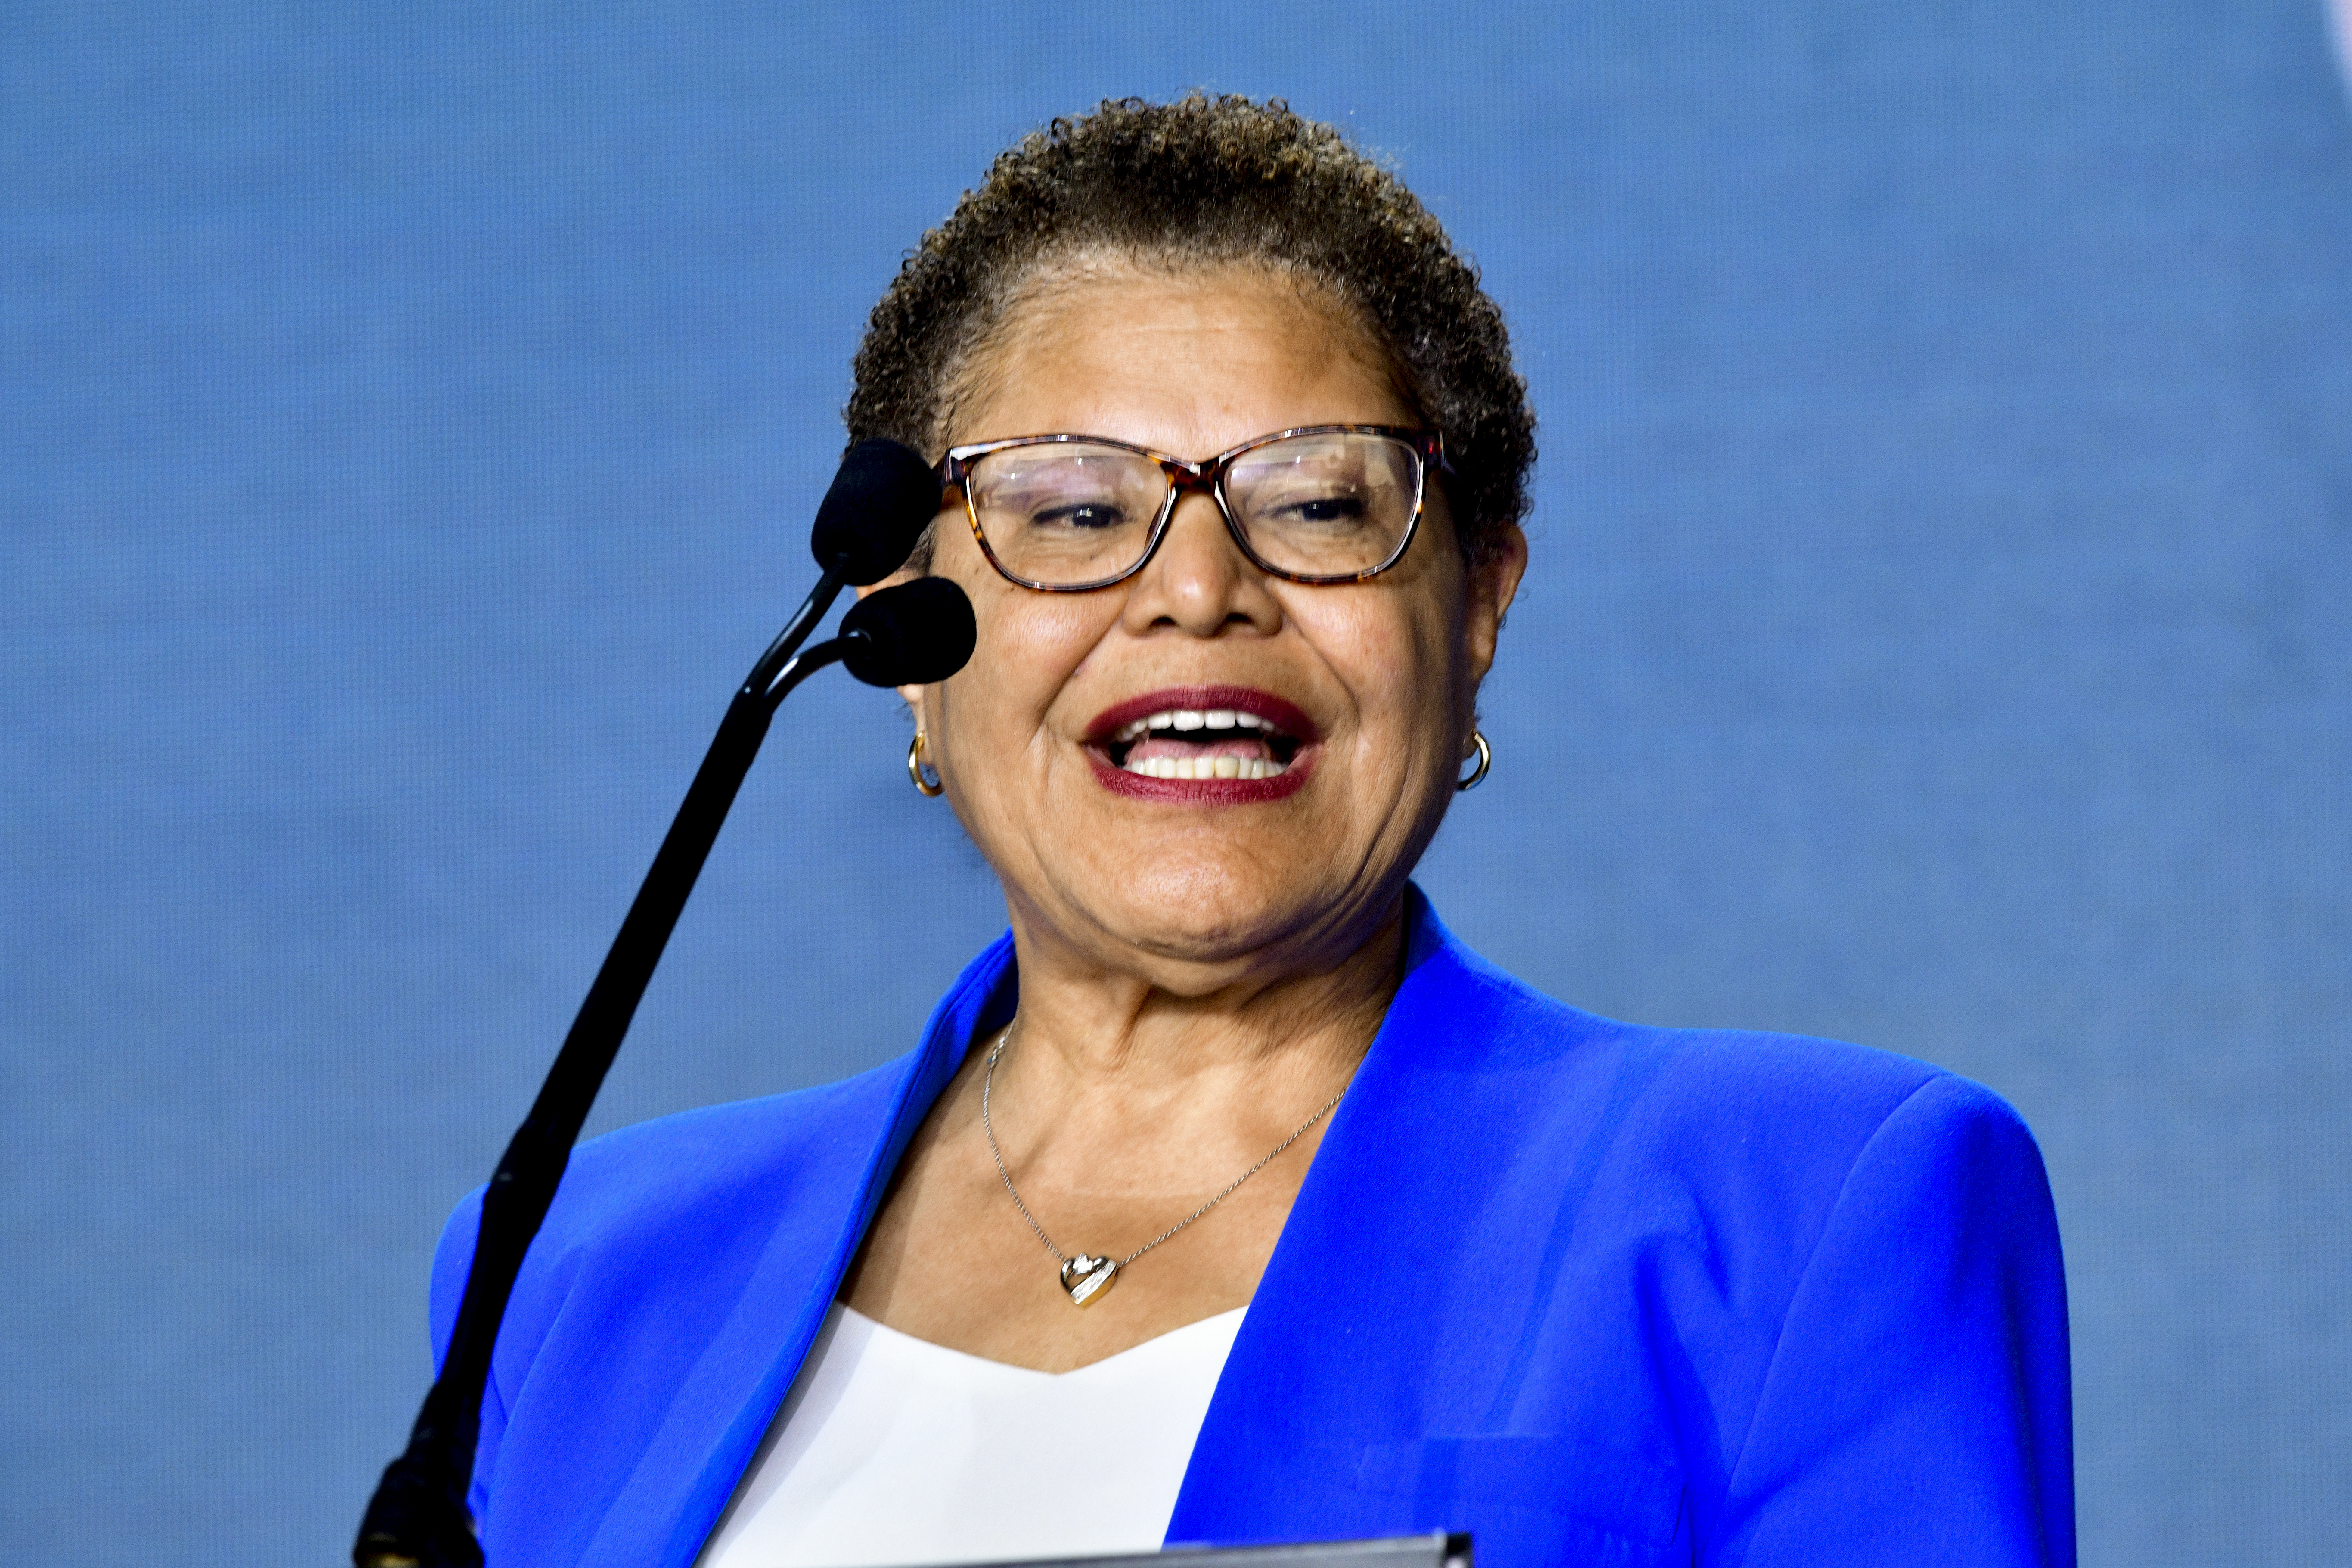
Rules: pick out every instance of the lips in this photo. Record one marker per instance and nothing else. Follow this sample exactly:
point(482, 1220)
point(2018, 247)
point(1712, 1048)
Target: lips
point(1207, 745)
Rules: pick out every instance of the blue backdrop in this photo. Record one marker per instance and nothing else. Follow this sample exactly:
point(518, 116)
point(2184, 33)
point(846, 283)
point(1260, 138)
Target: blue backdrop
point(1939, 635)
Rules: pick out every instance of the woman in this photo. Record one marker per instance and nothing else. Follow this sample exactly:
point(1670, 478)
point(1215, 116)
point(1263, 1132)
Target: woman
point(1228, 1198)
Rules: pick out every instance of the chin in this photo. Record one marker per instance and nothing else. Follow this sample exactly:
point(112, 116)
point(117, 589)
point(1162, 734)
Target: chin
point(1216, 910)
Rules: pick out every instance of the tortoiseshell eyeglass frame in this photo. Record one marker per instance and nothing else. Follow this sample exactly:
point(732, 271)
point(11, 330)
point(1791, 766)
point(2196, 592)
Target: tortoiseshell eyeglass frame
point(1207, 476)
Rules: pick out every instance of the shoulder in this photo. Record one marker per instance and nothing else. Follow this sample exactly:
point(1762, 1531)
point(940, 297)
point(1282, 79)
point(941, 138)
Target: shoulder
point(688, 1205)
point(1750, 1128)
point(689, 1182)
point(1733, 1075)
point(724, 1153)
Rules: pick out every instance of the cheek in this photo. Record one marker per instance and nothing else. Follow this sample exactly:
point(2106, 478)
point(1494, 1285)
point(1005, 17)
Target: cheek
point(1397, 657)
point(1030, 645)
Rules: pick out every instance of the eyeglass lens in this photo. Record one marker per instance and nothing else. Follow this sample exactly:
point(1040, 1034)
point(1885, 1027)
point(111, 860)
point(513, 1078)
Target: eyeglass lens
point(1330, 504)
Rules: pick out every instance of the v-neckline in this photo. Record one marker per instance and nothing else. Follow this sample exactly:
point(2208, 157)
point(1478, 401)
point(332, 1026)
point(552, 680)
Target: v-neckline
point(1198, 1327)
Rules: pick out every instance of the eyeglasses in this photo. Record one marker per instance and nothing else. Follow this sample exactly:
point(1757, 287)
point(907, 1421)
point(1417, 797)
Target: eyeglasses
point(1324, 504)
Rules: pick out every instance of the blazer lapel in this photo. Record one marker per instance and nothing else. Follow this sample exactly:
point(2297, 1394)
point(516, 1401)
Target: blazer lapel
point(668, 1507)
point(1294, 1411)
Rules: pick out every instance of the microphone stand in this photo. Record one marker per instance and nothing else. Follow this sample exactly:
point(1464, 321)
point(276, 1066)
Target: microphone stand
point(418, 1518)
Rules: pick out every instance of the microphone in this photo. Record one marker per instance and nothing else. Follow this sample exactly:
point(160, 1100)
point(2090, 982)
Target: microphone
point(877, 507)
point(910, 635)
point(915, 633)
point(880, 502)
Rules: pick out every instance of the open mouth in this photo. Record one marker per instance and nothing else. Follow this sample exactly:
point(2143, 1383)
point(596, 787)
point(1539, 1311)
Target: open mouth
point(1201, 743)
point(1228, 735)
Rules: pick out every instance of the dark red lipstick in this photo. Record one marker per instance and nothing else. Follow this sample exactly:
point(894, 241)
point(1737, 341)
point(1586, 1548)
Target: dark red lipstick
point(1204, 745)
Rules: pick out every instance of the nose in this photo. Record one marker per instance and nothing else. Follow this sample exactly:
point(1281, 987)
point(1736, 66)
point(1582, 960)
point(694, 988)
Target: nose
point(1198, 581)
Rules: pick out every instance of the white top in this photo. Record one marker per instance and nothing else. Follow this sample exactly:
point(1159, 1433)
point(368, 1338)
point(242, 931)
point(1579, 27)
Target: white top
point(890, 1449)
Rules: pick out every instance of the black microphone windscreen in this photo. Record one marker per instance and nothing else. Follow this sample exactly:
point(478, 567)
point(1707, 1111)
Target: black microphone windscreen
point(880, 502)
point(911, 634)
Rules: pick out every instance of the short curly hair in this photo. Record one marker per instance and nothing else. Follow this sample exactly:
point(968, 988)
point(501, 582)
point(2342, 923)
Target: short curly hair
point(1204, 181)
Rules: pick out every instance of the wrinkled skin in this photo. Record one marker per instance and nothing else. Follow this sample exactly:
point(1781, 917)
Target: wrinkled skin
point(1196, 979)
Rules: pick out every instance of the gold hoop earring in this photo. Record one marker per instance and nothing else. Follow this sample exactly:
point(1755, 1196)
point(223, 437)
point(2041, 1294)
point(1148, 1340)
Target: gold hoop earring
point(1485, 761)
point(931, 785)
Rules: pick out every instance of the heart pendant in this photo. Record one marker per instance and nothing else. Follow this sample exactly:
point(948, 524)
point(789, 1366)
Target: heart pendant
point(1087, 1278)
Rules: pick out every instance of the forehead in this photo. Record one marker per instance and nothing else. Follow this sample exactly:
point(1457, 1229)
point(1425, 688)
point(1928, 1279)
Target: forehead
point(1190, 363)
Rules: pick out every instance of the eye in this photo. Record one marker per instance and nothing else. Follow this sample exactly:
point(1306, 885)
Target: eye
point(1325, 510)
point(1079, 516)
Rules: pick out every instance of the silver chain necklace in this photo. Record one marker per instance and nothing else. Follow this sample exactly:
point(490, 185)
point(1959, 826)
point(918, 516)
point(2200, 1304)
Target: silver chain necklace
point(1086, 1277)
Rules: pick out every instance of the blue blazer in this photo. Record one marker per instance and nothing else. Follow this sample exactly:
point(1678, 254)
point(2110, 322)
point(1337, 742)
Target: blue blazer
point(1596, 1293)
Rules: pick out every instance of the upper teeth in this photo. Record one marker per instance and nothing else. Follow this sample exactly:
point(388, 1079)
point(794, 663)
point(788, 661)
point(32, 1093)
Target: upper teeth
point(1193, 718)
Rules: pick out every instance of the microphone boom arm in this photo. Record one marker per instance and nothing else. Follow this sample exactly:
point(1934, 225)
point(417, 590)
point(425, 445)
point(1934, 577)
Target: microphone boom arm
point(796, 630)
point(418, 1516)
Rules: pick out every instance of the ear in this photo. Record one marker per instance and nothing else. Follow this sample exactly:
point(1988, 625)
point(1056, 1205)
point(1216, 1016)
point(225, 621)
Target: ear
point(911, 695)
point(1491, 587)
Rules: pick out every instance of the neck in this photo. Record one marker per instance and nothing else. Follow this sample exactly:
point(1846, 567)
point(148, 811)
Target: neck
point(1090, 1027)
